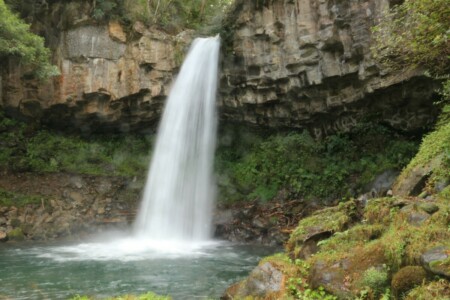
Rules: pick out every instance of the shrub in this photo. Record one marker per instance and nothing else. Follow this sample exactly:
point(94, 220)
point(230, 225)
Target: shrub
point(376, 279)
point(257, 166)
point(16, 41)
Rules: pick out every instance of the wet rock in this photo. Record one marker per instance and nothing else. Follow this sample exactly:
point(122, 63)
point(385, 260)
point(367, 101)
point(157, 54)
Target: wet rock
point(382, 183)
point(222, 217)
point(3, 236)
point(263, 281)
point(260, 223)
point(437, 261)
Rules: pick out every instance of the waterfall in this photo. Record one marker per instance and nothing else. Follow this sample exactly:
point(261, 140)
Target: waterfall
point(179, 193)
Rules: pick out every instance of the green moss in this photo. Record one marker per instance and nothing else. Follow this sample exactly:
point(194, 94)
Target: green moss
point(407, 278)
point(436, 290)
point(379, 211)
point(442, 265)
point(435, 146)
point(16, 234)
point(354, 237)
point(445, 193)
point(384, 237)
point(333, 219)
point(14, 199)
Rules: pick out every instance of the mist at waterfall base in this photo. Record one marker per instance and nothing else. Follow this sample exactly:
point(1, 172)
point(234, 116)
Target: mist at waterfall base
point(170, 250)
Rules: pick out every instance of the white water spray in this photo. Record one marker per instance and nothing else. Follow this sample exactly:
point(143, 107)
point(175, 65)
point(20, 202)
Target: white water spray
point(179, 194)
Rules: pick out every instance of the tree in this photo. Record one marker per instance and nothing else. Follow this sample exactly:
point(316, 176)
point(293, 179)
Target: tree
point(415, 33)
point(16, 41)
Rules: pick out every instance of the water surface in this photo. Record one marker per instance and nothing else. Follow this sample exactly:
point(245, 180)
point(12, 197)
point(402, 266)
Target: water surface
point(123, 267)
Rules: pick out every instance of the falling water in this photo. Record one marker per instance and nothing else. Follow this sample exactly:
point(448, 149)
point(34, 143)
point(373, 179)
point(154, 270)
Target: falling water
point(179, 193)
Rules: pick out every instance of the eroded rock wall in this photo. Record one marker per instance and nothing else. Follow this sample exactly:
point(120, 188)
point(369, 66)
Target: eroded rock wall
point(286, 64)
point(307, 63)
point(112, 78)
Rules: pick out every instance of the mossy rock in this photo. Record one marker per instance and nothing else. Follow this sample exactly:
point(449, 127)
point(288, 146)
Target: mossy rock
point(16, 235)
point(322, 223)
point(436, 290)
point(437, 261)
point(429, 167)
point(407, 278)
point(379, 211)
point(429, 208)
point(264, 282)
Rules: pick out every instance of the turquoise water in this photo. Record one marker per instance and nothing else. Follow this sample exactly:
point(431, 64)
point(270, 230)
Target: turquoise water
point(30, 271)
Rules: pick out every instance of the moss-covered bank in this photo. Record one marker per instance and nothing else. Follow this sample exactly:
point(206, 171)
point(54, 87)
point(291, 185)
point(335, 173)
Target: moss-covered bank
point(386, 248)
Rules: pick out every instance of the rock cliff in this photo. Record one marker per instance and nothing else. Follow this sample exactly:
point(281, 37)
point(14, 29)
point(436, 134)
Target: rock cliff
point(291, 64)
point(307, 63)
point(111, 78)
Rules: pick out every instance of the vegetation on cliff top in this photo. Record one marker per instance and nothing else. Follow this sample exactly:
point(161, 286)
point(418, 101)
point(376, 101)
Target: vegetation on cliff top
point(416, 33)
point(17, 42)
point(426, 40)
point(169, 14)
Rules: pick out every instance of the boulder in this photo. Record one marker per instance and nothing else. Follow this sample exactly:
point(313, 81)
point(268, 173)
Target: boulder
point(412, 182)
point(382, 183)
point(429, 208)
point(437, 261)
point(264, 281)
point(406, 279)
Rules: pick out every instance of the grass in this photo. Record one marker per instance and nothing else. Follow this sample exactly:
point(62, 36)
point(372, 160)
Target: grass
point(18, 200)
point(437, 290)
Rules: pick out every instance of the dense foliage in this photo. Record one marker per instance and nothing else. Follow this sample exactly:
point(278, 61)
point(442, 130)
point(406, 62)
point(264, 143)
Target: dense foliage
point(23, 148)
point(339, 166)
point(417, 32)
point(18, 42)
point(172, 14)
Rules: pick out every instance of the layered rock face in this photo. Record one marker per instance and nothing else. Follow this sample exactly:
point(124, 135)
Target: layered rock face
point(307, 63)
point(291, 64)
point(110, 80)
